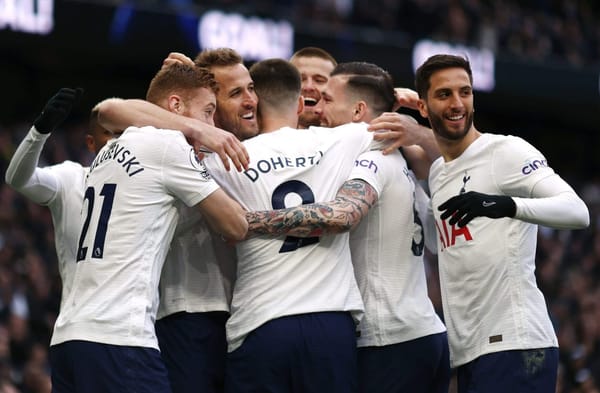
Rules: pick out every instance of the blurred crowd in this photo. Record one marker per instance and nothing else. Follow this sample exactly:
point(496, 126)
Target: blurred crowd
point(561, 31)
point(568, 270)
point(29, 281)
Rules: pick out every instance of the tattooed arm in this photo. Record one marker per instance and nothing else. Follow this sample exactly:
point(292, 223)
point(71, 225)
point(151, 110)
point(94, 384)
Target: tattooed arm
point(342, 214)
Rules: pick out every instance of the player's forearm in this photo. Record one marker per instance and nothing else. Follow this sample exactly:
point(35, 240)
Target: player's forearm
point(224, 215)
point(306, 220)
point(23, 174)
point(117, 114)
point(555, 204)
point(344, 213)
point(25, 160)
point(562, 211)
point(418, 160)
point(234, 226)
point(428, 143)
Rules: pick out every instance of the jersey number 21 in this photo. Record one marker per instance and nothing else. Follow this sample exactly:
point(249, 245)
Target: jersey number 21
point(108, 194)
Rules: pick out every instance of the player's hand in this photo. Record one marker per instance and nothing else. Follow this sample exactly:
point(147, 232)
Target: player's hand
point(405, 98)
point(176, 57)
point(223, 143)
point(398, 129)
point(57, 109)
point(465, 207)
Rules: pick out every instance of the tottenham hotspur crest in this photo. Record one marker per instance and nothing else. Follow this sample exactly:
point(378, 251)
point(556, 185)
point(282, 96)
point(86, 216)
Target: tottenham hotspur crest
point(197, 164)
point(466, 178)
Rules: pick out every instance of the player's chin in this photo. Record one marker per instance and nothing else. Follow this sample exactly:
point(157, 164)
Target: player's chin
point(249, 123)
point(249, 130)
point(311, 118)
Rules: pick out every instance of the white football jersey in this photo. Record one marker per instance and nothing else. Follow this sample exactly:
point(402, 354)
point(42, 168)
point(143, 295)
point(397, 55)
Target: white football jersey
point(128, 217)
point(387, 253)
point(489, 293)
point(60, 187)
point(199, 270)
point(65, 208)
point(285, 276)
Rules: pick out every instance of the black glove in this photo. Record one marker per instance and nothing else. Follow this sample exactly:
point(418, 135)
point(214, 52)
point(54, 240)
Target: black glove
point(465, 207)
point(57, 109)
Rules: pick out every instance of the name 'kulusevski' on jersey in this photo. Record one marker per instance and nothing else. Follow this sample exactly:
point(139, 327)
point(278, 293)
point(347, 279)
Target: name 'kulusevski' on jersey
point(120, 154)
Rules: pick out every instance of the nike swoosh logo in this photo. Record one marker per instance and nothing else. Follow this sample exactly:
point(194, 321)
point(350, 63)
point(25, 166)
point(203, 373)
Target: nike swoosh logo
point(488, 204)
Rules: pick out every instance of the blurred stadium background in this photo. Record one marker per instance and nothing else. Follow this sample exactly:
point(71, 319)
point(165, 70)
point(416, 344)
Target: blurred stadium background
point(537, 74)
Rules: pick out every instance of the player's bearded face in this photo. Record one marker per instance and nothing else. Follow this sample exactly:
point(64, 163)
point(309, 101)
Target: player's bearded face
point(236, 101)
point(449, 103)
point(308, 118)
point(237, 119)
point(450, 129)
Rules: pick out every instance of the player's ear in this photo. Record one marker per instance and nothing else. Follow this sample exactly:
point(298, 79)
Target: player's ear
point(300, 104)
point(360, 111)
point(175, 104)
point(422, 108)
point(90, 143)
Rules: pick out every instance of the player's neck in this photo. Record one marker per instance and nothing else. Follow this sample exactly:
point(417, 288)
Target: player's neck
point(274, 123)
point(452, 149)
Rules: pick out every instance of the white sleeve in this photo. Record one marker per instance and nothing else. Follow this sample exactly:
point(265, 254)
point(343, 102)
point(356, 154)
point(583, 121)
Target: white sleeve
point(23, 174)
point(425, 211)
point(184, 175)
point(553, 204)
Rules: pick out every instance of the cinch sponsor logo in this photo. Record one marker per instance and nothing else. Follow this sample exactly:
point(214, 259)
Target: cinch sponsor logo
point(369, 164)
point(533, 165)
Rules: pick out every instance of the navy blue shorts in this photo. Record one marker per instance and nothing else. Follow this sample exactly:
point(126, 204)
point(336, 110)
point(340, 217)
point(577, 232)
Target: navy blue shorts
point(523, 371)
point(194, 347)
point(306, 353)
point(89, 367)
point(417, 366)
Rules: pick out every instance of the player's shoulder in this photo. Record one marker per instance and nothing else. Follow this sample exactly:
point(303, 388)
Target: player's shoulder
point(276, 138)
point(511, 153)
point(357, 128)
point(348, 127)
point(69, 167)
point(394, 158)
point(510, 145)
point(350, 132)
point(504, 140)
point(153, 141)
point(70, 164)
point(150, 132)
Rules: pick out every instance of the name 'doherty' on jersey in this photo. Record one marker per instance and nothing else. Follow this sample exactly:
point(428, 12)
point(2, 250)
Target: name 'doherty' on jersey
point(276, 163)
point(121, 155)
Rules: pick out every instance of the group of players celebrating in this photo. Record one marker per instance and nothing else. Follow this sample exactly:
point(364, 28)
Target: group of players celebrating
point(183, 273)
